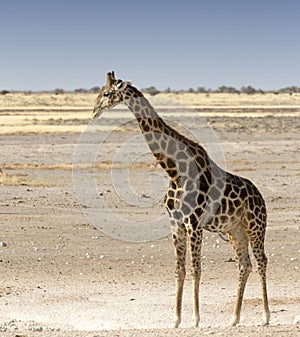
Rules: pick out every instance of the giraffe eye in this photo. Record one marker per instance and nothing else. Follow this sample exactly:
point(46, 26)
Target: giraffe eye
point(106, 94)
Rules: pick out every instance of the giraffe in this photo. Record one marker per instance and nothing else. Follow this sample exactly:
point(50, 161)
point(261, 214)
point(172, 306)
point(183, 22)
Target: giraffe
point(201, 195)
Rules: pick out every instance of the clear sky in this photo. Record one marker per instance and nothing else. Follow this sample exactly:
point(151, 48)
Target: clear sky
point(178, 44)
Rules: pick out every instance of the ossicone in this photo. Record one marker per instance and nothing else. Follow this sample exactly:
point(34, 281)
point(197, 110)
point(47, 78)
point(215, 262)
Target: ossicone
point(110, 78)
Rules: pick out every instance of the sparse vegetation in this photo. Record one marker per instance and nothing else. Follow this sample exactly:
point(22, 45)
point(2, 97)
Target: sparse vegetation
point(93, 90)
point(289, 90)
point(152, 90)
point(81, 90)
point(228, 90)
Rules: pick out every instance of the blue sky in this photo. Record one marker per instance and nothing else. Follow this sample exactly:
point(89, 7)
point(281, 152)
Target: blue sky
point(177, 44)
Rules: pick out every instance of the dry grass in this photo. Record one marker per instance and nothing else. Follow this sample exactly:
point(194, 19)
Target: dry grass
point(70, 112)
point(19, 179)
point(236, 100)
point(46, 101)
point(12, 180)
point(42, 101)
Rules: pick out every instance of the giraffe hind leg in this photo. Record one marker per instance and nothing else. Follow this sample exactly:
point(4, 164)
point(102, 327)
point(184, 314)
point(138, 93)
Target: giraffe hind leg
point(255, 223)
point(239, 242)
point(257, 246)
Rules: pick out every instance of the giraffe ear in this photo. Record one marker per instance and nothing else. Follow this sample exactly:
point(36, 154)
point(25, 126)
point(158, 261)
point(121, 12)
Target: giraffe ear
point(122, 85)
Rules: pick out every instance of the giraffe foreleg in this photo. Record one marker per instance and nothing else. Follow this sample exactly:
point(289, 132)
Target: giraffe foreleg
point(195, 242)
point(179, 240)
point(245, 268)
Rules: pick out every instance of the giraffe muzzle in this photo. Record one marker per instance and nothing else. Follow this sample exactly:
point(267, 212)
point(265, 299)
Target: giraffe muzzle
point(96, 113)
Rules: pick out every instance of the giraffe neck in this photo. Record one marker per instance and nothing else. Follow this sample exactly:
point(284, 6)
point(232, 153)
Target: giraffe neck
point(140, 106)
point(171, 149)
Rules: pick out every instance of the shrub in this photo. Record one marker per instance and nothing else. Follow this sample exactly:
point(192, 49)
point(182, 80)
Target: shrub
point(4, 92)
point(94, 90)
point(58, 91)
point(228, 90)
point(80, 90)
point(151, 91)
point(249, 90)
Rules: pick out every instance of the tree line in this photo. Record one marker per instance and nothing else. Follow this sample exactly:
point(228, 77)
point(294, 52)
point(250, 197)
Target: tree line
point(152, 90)
point(249, 90)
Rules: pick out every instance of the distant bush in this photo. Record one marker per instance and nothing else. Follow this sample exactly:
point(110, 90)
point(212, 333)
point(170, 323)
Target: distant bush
point(289, 90)
point(4, 92)
point(58, 91)
point(80, 90)
point(228, 90)
point(94, 90)
point(249, 90)
point(151, 91)
point(202, 90)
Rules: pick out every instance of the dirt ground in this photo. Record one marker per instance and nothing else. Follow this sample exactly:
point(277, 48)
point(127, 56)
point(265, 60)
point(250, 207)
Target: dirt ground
point(85, 245)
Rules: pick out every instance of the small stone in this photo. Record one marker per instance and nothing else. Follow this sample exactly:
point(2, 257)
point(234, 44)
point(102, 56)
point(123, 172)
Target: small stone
point(3, 328)
point(11, 325)
point(296, 320)
point(3, 244)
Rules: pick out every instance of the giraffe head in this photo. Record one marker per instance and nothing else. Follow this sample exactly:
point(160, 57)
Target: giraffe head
point(110, 94)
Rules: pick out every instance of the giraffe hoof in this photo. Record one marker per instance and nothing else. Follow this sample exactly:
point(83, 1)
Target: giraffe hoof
point(195, 322)
point(265, 320)
point(176, 323)
point(234, 322)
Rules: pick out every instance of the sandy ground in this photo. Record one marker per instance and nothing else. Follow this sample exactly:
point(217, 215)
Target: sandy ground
point(85, 248)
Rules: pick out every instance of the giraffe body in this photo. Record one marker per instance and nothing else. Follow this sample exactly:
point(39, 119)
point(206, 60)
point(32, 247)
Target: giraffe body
point(201, 195)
